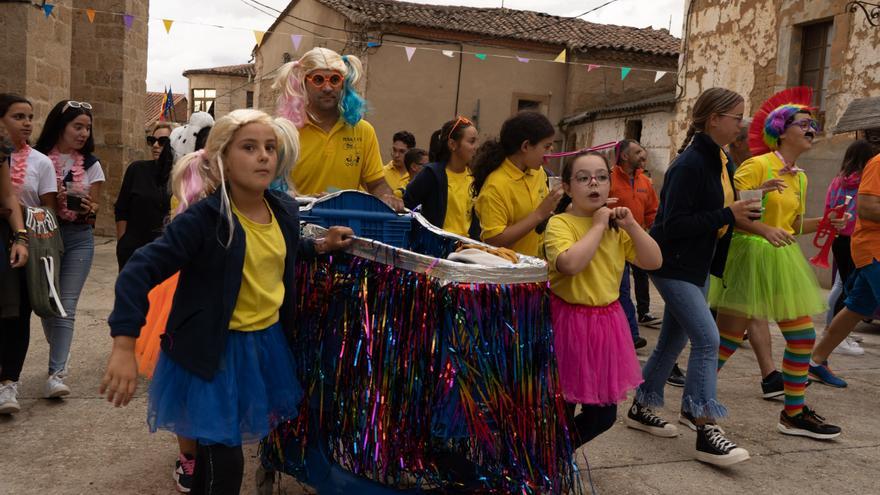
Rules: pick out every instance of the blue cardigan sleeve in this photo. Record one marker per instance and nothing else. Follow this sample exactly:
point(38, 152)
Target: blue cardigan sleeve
point(181, 242)
point(680, 218)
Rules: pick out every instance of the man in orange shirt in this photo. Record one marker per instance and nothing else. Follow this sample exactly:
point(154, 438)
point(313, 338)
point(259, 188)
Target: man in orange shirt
point(634, 190)
point(863, 297)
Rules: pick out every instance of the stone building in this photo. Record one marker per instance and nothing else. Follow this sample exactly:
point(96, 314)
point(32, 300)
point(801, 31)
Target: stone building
point(66, 56)
point(220, 90)
point(420, 94)
point(759, 47)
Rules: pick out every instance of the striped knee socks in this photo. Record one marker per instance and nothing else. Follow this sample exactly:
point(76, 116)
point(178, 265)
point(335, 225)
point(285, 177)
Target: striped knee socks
point(799, 339)
point(730, 342)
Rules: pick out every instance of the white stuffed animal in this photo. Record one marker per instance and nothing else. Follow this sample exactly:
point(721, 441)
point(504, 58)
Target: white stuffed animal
point(183, 138)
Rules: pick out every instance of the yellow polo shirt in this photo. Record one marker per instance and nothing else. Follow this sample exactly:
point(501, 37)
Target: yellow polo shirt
point(459, 204)
point(599, 283)
point(729, 194)
point(780, 209)
point(262, 285)
point(508, 196)
point(395, 179)
point(344, 158)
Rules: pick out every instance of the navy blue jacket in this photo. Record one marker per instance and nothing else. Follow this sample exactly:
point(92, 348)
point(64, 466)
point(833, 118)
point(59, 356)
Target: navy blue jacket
point(210, 278)
point(430, 188)
point(691, 212)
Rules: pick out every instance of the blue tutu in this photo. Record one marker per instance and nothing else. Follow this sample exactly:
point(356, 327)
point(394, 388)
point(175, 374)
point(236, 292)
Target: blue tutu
point(255, 388)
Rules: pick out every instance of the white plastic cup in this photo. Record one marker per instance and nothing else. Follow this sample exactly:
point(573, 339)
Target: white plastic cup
point(554, 181)
point(753, 195)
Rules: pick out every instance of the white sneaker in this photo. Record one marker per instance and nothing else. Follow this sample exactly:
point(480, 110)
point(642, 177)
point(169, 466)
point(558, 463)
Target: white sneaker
point(849, 347)
point(8, 398)
point(55, 387)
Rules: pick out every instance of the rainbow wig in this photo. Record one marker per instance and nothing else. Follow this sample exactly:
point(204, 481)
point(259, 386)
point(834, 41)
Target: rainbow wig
point(292, 99)
point(779, 120)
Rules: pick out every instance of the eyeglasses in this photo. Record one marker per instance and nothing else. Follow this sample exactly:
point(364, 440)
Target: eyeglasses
point(76, 104)
point(459, 121)
point(586, 179)
point(162, 140)
point(319, 80)
point(807, 125)
point(738, 118)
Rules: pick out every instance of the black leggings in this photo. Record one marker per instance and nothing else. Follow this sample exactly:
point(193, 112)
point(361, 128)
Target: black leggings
point(15, 336)
point(219, 470)
point(845, 266)
point(590, 422)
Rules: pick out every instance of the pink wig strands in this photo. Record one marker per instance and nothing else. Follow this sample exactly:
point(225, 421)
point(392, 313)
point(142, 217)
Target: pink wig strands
point(291, 99)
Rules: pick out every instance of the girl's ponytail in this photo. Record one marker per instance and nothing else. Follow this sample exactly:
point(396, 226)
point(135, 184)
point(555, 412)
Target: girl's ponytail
point(489, 156)
point(692, 129)
point(191, 179)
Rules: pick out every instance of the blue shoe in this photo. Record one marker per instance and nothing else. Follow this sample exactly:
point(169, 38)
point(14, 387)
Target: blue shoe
point(823, 374)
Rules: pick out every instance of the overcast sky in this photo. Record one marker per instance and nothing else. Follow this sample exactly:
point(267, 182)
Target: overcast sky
point(193, 46)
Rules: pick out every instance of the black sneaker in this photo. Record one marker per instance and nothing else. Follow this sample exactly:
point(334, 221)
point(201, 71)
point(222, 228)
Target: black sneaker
point(642, 418)
point(772, 386)
point(650, 320)
point(713, 448)
point(688, 420)
point(807, 424)
point(676, 377)
point(183, 472)
point(640, 342)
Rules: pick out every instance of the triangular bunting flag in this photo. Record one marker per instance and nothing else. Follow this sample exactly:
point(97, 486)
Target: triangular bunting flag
point(410, 51)
point(258, 35)
point(481, 56)
point(522, 59)
point(128, 19)
point(296, 39)
point(624, 71)
point(449, 53)
point(168, 23)
point(590, 67)
point(659, 75)
point(560, 58)
point(47, 9)
point(90, 13)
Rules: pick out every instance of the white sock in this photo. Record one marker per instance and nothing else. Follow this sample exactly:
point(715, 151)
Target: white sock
point(813, 363)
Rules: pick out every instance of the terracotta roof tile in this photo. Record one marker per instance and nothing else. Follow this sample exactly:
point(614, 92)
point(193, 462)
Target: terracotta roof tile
point(153, 106)
point(240, 70)
point(510, 24)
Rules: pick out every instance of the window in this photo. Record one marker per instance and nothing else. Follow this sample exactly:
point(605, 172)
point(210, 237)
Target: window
point(203, 100)
point(633, 130)
point(816, 60)
point(249, 99)
point(528, 105)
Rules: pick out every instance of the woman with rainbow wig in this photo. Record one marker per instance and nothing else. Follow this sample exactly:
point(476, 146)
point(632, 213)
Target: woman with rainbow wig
point(318, 93)
point(767, 276)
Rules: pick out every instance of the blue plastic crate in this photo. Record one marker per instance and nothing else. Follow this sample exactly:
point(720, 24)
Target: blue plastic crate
point(365, 214)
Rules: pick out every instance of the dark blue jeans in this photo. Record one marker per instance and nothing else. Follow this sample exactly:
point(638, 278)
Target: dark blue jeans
point(626, 302)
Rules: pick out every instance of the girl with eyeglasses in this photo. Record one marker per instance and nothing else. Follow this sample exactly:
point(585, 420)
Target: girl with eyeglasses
point(766, 276)
point(510, 184)
point(587, 248)
point(443, 187)
point(144, 198)
point(68, 141)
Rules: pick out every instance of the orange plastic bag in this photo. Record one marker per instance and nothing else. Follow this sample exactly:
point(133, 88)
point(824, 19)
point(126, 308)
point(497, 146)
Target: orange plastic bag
point(146, 348)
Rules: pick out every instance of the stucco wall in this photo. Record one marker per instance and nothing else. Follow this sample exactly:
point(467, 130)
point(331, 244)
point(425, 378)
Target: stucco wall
point(231, 92)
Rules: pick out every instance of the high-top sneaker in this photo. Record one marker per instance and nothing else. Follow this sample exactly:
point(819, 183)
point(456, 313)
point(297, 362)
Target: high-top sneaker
point(641, 418)
point(713, 448)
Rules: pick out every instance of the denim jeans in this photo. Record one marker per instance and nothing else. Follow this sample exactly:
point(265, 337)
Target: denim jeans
point(834, 295)
point(686, 317)
point(79, 249)
point(626, 302)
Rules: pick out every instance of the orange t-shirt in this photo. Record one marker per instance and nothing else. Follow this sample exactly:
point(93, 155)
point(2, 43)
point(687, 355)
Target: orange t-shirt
point(866, 237)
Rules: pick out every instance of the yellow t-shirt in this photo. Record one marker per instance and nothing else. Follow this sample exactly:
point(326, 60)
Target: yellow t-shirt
point(508, 196)
point(599, 283)
point(729, 194)
point(395, 179)
point(262, 286)
point(459, 205)
point(780, 209)
point(344, 158)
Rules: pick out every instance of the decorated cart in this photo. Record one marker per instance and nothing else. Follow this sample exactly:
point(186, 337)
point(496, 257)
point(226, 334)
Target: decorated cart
point(424, 370)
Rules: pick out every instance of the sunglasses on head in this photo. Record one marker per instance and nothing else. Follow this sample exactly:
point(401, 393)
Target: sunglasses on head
point(461, 120)
point(162, 140)
point(76, 104)
point(319, 80)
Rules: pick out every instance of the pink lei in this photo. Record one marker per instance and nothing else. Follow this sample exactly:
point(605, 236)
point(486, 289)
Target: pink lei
point(78, 173)
point(19, 168)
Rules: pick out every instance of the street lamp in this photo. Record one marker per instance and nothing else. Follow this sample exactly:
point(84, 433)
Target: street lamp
point(871, 10)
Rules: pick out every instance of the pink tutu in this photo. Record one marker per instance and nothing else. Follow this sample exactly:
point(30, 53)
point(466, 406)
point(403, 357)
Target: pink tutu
point(594, 351)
